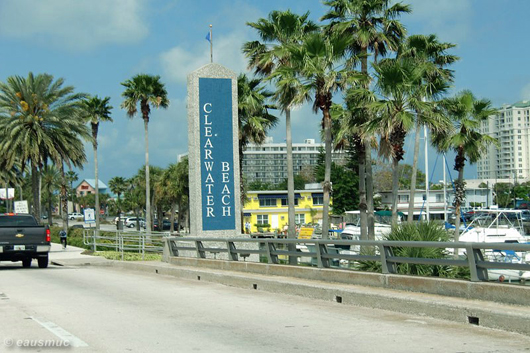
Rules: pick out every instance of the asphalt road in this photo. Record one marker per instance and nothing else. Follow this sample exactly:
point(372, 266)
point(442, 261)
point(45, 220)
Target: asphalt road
point(105, 310)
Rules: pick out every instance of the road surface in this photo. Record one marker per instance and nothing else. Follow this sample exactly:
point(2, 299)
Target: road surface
point(97, 309)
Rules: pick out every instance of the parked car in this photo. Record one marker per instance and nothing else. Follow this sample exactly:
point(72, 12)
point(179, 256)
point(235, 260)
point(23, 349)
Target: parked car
point(166, 225)
point(75, 215)
point(130, 222)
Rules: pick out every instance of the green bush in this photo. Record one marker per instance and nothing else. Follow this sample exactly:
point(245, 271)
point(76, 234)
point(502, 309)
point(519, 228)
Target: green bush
point(419, 231)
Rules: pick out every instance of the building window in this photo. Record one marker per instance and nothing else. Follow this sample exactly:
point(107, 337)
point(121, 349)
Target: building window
point(299, 218)
point(439, 198)
point(318, 200)
point(267, 203)
point(263, 219)
point(285, 202)
point(403, 198)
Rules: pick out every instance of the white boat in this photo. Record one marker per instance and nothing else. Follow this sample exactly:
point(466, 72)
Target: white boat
point(382, 226)
point(499, 226)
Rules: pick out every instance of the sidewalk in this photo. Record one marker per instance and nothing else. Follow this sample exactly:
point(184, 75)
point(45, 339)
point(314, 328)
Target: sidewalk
point(72, 256)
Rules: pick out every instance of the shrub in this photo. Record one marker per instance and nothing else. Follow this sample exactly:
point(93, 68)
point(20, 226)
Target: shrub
point(419, 231)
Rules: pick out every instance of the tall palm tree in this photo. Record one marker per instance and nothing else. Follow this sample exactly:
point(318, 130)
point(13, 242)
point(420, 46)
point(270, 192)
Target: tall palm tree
point(40, 122)
point(467, 114)
point(147, 91)
point(431, 58)
point(96, 110)
point(393, 113)
point(317, 71)
point(374, 28)
point(279, 30)
point(118, 185)
point(254, 118)
point(51, 181)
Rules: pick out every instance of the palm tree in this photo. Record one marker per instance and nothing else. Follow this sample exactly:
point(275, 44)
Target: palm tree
point(465, 138)
point(182, 175)
point(373, 27)
point(96, 110)
point(317, 71)
point(40, 122)
point(167, 188)
point(147, 91)
point(71, 178)
point(254, 118)
point(118, 186)
point(432, 59)
point(279, 30)
point(392, 114)
point(51, 181)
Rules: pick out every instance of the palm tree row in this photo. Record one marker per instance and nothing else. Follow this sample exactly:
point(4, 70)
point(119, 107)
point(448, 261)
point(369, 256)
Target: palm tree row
point(385, 98)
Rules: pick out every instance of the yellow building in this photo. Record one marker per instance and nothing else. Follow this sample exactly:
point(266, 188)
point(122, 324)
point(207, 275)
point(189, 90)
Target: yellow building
point(268, 210)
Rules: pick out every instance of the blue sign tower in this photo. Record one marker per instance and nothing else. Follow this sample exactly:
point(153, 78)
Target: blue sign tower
point(215, 207)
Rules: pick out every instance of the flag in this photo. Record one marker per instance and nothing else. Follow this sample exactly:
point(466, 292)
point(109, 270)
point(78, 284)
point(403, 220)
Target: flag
point(208, 38)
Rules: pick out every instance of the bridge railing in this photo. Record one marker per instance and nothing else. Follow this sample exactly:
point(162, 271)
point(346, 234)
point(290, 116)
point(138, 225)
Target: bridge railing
point(326, 252)
point(125, 241)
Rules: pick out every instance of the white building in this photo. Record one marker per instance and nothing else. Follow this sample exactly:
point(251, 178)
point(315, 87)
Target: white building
point(267, 162)
point(511, 160)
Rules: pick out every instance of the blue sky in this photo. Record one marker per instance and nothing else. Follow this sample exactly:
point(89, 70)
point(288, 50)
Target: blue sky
point(97, 44)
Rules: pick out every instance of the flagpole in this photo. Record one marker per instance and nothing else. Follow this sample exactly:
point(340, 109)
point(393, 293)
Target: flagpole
point(211, 45)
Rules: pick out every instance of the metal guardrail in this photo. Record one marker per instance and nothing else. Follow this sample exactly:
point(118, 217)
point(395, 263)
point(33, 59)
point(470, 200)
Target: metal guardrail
point(125, 241)
point(325, 251)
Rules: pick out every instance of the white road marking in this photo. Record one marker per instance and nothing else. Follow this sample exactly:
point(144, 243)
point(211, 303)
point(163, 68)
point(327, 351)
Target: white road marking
point(61, 333)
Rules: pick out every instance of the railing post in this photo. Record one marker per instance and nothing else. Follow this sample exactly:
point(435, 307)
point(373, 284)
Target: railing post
point(320, 250)
point(473, 256)
point(94, 238)
point(232, 251)
point(386, 266)
point(200, 249)
point(270, 249)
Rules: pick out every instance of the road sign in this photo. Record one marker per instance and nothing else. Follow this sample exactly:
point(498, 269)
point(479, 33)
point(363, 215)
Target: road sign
point(21, 206)
point(90, 215)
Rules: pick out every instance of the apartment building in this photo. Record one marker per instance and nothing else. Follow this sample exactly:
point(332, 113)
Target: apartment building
point(511, 160)
point(267, 163)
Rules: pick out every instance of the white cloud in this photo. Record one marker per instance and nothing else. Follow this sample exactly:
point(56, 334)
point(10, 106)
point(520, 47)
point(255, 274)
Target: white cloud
point(75, 25)
point(525, 92)
point(179, 61)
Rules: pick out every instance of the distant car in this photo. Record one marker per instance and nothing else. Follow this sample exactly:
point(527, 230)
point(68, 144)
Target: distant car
point(75, 215)
point(166, 225)
point(130, 222)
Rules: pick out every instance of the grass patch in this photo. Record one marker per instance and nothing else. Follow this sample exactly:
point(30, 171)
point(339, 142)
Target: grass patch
point(128, 256)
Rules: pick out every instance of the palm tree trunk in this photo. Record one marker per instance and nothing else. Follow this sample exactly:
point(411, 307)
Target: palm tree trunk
point(367, 205)
point(395, 186)
point(362, 192)
point(95, 145)
point(458, 204)
point(35, 191)
point(410, 216)
point(147, 186)
point(291, 230)
point(369, 192)
point(50, 201)
point(64, 198)
point(327, 175)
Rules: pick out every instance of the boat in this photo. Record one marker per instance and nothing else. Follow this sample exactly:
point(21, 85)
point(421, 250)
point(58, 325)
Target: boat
point(382, 226)
point(499, 226)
